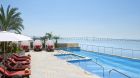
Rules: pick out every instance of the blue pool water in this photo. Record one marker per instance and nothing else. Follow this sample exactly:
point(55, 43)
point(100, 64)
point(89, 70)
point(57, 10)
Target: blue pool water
point(127, 66)
point(68, 56)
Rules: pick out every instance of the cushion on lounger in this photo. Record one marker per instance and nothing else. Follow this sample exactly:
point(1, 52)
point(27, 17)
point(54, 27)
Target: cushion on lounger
point(26, 70)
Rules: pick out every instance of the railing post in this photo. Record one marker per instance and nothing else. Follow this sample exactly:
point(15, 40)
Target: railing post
point(98, 49)
point(87, 48)
point(92, 48)
point(104, 50)
point(132, 54)
point(81, 46)
point(121, 52)
point(112, 50)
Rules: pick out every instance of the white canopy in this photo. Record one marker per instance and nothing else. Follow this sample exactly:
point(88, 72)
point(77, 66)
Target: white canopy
point(49, 42)
point(8, 36)
point(27, 43)
point(23, 37)
point(37, 42)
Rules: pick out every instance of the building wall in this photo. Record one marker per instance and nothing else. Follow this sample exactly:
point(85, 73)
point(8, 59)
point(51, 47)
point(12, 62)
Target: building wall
point(67, 45)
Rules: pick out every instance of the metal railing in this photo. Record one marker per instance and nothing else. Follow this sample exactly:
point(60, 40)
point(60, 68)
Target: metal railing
point(96, 39)
point(92, 61)
point(128, 53)
point(110, 51)
point(103, 69)
point(118, 72)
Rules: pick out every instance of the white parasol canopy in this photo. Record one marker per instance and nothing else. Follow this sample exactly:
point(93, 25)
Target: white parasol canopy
point(23, 37)
point(8, 36)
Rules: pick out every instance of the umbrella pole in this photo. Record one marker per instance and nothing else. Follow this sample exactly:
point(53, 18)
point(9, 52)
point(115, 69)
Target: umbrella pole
point(4, 58)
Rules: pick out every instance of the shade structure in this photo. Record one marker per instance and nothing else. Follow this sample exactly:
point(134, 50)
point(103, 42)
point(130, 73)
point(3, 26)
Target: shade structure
point(27, 43)
point(8, 36)
point(37, 42)
point(23, 37)
point(49, 42)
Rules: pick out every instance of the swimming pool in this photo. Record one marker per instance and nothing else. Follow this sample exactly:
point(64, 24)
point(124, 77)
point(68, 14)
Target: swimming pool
point(69, 56)
point(129, 67)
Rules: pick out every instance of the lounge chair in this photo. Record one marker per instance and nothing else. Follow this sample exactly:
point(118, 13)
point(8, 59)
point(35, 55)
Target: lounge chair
point(50, 48)
point(1, 58)
point(27, 57)
point(19, 59)
point(10, 74)
point(25, 47)
point(15, 62)
point(15, 67)
point(37, 47)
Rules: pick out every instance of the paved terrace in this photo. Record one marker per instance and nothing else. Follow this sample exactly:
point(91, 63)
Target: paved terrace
point(46, 65)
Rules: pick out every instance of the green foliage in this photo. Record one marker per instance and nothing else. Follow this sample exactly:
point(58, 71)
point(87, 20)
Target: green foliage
point(9, 47)
point(15, 48)
point(56, 37)
point(56, 40)
point(49, 35)
point(10, 20)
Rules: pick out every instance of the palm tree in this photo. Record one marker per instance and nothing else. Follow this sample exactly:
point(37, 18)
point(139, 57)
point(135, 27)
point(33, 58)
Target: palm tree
point(10, 20)
point(44, 40)
point(49, 35)
point(56, 40)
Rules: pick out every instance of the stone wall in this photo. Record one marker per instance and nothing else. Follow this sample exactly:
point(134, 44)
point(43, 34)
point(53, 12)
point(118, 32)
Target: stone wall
point(67, 45)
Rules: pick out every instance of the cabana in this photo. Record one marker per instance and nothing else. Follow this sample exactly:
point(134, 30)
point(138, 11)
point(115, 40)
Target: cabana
point(25, 45)
point(49, 45)
point(37, 45)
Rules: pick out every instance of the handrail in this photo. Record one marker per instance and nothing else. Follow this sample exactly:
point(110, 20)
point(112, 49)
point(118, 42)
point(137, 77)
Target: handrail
point(118, 72)
point(100, 66)
point(109, 47)
point(97, 64)
point(113, 50)
point(136, 50)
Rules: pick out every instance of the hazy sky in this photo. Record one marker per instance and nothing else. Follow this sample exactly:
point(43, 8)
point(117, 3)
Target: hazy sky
point(98, 18)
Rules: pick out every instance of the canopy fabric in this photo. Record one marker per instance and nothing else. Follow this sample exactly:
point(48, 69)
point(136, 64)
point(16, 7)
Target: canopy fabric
point(37, 42)
point(8, 36)
point(49, 42)
point(27, 43)
point(23, 38)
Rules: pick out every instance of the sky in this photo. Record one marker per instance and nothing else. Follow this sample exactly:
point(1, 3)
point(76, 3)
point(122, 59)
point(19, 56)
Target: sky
point(81, 18)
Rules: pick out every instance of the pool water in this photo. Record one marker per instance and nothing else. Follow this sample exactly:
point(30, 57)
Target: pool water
point(127, 66)
point(69, 56)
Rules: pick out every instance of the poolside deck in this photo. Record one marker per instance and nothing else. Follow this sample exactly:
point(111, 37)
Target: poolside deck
point(46, 65)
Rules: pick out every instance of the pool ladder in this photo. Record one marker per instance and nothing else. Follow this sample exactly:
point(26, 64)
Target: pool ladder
point(118, 72)
point(103, 69)
point(100, 66)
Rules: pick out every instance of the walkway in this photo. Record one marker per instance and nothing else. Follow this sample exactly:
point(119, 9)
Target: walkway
point(45, 65)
